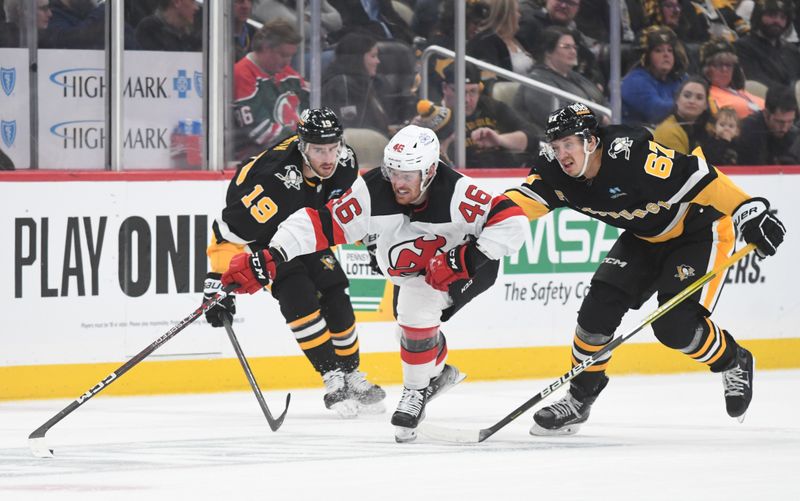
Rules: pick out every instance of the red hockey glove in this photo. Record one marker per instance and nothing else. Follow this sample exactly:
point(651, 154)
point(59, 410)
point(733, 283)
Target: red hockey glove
point(444, 269)
point(759, 226)
point(252, 272)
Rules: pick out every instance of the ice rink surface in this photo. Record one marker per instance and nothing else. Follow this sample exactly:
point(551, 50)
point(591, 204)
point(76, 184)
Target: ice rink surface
point(649, 438)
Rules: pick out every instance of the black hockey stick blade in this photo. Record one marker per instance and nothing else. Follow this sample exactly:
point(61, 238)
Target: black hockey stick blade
point(36, 440)
point(274, 424)
point(476, 436)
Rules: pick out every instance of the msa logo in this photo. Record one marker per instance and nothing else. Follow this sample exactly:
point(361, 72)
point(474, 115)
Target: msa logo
point(615, 262)
point(8, 78)
point(684, 271)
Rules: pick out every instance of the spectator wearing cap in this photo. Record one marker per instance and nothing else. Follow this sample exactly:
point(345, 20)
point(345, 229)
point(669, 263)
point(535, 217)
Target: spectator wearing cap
point(648, 90)
point(557, 57)
point(763, 54)
point(720, 66)
point(770, 137)
point(496, 135)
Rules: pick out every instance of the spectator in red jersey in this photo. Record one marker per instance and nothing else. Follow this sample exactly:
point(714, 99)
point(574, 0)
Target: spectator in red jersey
point(269, 94)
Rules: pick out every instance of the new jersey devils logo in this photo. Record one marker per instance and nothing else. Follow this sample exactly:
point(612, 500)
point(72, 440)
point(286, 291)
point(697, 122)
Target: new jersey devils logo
point(285, 111)
point(409, 258)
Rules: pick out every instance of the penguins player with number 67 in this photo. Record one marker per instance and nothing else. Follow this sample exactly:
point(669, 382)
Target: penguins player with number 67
point(439, 240)
point(679, 216)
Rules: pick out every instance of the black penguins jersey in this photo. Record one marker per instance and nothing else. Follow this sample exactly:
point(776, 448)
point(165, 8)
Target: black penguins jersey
point(268, 189)
point(642, 186)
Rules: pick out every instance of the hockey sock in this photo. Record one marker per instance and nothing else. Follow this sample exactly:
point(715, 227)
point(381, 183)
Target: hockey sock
point(584, 345)
point(419, 352)
point(712, 346)
point(311, 333)
point(345, 345)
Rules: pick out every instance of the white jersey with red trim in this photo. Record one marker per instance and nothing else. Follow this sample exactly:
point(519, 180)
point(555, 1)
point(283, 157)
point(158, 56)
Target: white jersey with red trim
point(457, 210)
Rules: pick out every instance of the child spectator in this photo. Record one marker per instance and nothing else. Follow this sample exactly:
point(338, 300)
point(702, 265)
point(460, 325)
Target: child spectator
point(720, 147)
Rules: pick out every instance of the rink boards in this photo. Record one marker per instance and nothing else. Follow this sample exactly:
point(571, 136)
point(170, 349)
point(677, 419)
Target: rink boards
point(100, 268)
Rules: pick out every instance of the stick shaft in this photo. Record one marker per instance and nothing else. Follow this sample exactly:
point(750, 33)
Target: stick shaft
point(274, 424)
point(105, 382)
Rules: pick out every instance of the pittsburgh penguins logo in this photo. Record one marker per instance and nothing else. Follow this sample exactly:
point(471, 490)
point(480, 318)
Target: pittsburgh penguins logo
point(409, 258)
point(684, 272)
point(328, 261)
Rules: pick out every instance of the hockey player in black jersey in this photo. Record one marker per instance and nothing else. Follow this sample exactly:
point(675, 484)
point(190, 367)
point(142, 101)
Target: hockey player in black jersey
point(306, 170)
point(679, 215)
point(439, 240)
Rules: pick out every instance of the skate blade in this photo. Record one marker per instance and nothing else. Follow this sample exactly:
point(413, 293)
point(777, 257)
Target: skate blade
point(403, 435)
point(372, 409)
point(538, 431)
point(346, 409)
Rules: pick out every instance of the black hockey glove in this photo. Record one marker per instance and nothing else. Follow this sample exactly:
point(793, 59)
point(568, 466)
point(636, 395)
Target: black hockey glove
point(753, 219)
point(227, 306)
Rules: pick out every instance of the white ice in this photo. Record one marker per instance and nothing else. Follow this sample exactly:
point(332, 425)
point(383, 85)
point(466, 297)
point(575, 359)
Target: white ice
point(649, 438)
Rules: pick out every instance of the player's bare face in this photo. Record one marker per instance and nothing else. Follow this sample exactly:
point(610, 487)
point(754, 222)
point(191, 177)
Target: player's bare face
point(569, 153)
point(405, 185)
point(323, 158)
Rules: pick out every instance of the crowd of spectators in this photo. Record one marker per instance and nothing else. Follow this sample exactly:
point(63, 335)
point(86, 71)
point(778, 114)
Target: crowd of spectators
point(718, 74)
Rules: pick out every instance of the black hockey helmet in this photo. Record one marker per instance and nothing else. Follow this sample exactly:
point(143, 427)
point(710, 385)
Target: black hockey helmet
point(319, 126)
point(575, 118)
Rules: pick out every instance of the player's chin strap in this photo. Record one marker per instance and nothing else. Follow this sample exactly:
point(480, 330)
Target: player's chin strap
point(423, 185)
point(303, 145)
point(587, 153)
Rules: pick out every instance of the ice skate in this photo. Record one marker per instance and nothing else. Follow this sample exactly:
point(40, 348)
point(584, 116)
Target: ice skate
point(566, 415)
point(449, 377)
point(369, 397)
point(738, 384)
point(336, 396)
point(410, 411)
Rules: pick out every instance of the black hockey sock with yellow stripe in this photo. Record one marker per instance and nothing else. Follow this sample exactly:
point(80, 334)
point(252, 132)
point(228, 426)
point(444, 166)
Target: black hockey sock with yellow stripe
point(584, 345)
point(313, 337)
point(345, 346)
point(712, 346)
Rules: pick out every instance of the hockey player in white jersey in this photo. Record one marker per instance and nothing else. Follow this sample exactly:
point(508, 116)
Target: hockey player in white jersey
point(439, 239)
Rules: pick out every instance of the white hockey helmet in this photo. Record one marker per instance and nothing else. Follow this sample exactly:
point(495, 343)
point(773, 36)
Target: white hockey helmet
point(413, 148)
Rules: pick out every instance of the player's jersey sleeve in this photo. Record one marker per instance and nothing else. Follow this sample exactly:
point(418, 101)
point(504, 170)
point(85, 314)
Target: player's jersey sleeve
point(534, 197)
point(721, 193)
point(498, 223)
point(343, 220)
point(680, 179)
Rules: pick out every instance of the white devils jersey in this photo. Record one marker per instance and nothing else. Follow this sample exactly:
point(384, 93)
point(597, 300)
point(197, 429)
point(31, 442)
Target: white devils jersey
point(408, 237)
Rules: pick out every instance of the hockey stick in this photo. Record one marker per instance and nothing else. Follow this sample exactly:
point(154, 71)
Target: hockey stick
point(476, 436)
point(36, 439)
point(274, 424)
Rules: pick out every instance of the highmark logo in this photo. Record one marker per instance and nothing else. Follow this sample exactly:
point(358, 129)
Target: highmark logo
point(564, 241)
point(8, 78)
point(8, 129)
point(182, 84)
point(80, 134)
point(80, 82)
